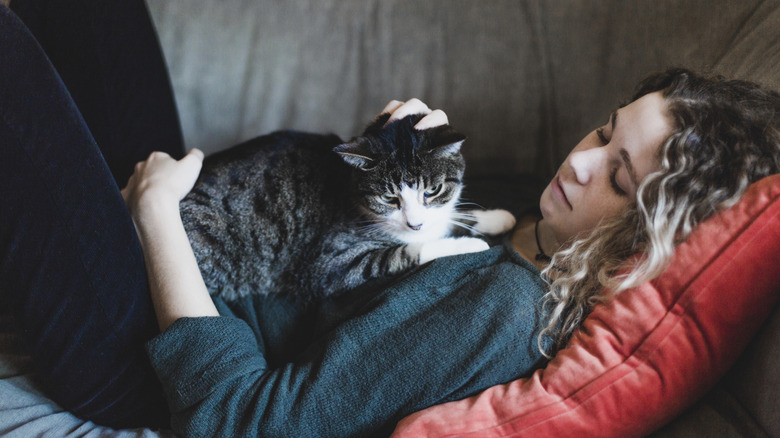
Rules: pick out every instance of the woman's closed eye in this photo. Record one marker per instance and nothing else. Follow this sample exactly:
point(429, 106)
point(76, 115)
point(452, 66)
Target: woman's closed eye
point(602, 137)
point(601, 133)
point(613, 182)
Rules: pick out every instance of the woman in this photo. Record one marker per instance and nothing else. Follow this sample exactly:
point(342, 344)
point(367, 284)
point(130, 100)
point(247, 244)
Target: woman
point(448, 330)
point(682, 149)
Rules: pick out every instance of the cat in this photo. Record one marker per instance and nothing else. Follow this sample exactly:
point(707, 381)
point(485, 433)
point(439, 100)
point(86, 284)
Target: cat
point(312, 216)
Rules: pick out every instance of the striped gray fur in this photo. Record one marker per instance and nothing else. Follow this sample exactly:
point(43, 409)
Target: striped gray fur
point(309, 215)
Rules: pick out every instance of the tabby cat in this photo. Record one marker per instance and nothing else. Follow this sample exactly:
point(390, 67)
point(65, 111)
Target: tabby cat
point(308, 215)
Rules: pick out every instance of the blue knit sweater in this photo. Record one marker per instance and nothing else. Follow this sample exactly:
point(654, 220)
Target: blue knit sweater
point(354, 367)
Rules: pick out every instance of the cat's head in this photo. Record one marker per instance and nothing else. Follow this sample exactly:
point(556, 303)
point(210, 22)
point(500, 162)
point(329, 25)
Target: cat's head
point(408, 182)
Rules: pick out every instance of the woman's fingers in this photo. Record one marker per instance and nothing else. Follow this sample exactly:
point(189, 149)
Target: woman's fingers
point(411, 106)
point(398, 110)
point(163, 177)
point(432, 120)
point(189, 168)
point(391, 106)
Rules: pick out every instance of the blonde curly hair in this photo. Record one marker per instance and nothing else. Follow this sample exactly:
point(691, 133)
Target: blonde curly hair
point(726, 135)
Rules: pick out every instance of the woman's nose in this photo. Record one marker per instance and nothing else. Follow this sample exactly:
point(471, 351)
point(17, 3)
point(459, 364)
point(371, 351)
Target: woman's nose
point(585, 163)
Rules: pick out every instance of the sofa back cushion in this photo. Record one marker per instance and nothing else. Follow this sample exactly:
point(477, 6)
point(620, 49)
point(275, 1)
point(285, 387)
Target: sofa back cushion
point(523, 80)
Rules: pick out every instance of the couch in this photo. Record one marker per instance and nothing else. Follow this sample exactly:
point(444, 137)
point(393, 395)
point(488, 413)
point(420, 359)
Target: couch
point(524, 80)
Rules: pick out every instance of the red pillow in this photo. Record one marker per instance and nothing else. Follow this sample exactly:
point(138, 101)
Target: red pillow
point(643, 357)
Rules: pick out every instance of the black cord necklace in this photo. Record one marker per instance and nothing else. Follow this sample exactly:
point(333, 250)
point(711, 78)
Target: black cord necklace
point(541, 256)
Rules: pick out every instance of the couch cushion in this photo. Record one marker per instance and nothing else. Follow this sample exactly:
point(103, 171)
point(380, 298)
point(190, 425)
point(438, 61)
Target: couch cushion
point(753, 51)
point(643, 357)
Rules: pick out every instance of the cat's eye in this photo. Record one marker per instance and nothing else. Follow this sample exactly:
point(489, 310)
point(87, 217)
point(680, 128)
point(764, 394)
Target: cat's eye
point(388, 199)
point(433, 191)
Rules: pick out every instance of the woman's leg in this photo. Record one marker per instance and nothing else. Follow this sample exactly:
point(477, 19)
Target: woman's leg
point(108, 55)
point(71, 268)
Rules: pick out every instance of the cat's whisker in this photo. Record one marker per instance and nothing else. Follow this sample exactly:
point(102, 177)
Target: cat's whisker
point(466, 216)
point(463, 203)
point(468, 227)
point(366, 218)
point(365, 223)
point(371, 227)
point(469, 211)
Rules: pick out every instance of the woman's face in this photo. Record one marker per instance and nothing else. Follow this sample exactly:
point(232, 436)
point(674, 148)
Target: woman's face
point(601, 175)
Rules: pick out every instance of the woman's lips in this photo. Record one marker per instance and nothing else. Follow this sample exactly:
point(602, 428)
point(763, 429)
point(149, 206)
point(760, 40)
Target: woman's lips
point(559, 193)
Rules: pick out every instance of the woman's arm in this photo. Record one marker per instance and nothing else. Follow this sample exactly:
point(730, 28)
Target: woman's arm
point(452, 329)
point(152, 195)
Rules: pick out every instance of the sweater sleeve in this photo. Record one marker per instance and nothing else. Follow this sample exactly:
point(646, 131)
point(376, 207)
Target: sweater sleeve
point(197, 355)
point(462, 326)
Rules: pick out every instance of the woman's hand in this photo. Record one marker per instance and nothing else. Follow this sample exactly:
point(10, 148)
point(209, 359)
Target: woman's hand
point(398, 110)
point(162, 179)
point(152, 195)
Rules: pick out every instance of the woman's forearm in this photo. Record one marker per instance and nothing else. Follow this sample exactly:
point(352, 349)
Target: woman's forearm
point(152, 195)
point(177, 287)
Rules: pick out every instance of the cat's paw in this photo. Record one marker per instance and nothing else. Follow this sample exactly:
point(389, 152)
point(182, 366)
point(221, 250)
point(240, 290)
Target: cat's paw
point(450, 246)
point(492, 222)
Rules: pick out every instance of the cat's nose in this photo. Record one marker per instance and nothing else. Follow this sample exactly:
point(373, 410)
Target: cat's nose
point(414, 227)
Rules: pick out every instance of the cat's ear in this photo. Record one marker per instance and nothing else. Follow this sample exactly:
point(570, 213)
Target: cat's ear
point(447, 149)
point(355, 153)
point(450, 145)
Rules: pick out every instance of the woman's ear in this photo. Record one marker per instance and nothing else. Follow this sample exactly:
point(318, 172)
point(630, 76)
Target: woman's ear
point(356, 154)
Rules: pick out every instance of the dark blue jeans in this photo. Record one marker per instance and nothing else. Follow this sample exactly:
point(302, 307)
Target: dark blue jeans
point(84, 94)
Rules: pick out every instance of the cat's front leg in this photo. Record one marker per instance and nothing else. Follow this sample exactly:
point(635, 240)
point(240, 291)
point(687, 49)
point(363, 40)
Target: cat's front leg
point(349, 266)
point(492, 222)
point(486, 222)
point(447, 246)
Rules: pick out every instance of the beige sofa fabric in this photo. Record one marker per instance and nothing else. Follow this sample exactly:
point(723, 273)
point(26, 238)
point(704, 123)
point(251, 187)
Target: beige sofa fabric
point(523, 79)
